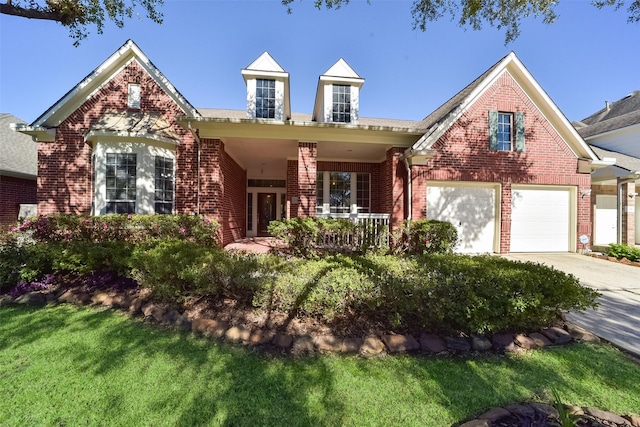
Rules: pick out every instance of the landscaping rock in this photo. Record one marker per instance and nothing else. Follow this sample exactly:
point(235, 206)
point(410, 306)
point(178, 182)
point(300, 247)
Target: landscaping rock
point(117, 301)
point(574, 410)
point(171, 317)
point(634, 420)
point(328, 343)
point(479, 343)
point(83, 298)
point(400, 343)
point(351, 345)
point(540, 340)
point(6, 300)
point(503, 343)
point(238, 333)
point(458, 344)
point(209, 327)
point(135, 305)
point(67, 296)
point(476, 423)
point(260, 337)
point(557, 335)
point(523, 410)
point(606, 416)
point(494, 414)
point(303, 345)
point(283, 341)
point(432, 343)
point(371, 346)
point(581, 334)
point(545, 409)
point(99, 298)
point(526, 342)
point(32, 298)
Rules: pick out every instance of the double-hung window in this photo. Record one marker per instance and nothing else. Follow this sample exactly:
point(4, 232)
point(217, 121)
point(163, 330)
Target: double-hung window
point(265, 99)
point(121, 183)
point(164, 185)
point(341, 103)
point(506, 131)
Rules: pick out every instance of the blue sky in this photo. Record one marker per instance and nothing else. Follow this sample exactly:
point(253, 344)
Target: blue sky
point(586, 57)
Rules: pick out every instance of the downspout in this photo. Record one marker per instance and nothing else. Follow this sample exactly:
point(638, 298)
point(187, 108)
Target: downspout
point(197, 139)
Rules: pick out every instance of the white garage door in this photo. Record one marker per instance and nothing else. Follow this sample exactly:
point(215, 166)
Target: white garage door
point(606, 221)
point(540, 220)
point(471, 209)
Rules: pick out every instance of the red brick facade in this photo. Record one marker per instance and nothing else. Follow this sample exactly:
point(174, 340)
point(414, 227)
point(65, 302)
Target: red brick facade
point(462, 154)
point(13, 193)
point(211, 183)
point(64, 166)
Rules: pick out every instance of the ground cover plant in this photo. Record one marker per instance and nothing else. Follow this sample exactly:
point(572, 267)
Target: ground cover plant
point(68, 365)
point(620, 251)
point(423, 288)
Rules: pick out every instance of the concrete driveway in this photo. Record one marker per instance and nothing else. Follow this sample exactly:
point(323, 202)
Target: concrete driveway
point(618, 317)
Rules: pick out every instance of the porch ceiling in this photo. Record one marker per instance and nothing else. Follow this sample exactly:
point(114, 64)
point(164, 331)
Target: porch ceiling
point(267, 158)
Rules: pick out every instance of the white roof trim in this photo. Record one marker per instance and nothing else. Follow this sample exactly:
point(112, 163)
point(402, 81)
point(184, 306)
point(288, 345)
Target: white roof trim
point(57, 113)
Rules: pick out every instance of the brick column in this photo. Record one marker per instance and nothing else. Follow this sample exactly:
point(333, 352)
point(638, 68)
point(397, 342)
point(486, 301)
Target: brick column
point(628, 213)
point(307, 169)
point(505, 219)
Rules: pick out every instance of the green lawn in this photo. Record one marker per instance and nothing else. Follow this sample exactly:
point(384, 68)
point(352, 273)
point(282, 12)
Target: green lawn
point(73, 366)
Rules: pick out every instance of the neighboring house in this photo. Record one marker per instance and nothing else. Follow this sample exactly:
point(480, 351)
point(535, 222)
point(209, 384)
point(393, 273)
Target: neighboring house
point(18, 170)
point(498, 159)
point(614, 132)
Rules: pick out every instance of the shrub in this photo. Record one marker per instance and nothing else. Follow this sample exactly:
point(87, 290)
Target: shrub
point(23, 263)
point(308, 237)
point(425, 236)
point(177, 269)
point(623, 251)
point(128, 228)
point(486, 293)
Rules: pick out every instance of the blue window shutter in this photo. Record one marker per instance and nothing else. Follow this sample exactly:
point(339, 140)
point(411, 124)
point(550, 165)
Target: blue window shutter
point(520, 132)
point(493, 130)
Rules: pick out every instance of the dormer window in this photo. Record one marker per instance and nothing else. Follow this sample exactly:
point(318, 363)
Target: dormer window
point(265, 99)
point(341, 104)
point(133, 100)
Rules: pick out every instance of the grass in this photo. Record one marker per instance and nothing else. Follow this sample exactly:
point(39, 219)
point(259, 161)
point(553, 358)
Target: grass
point(66, 365)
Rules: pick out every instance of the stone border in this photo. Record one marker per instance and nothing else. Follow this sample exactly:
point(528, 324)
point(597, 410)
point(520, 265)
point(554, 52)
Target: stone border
point(368, 346)
point(605, 257)
point(544, 413)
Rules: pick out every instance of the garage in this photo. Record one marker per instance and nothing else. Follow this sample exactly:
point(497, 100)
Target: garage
point(606, 220)
point(471, 208)
point(541, 219)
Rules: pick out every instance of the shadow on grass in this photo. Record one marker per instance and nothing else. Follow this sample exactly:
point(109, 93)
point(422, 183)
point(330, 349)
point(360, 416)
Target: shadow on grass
point(58, 361)
point(189, 381)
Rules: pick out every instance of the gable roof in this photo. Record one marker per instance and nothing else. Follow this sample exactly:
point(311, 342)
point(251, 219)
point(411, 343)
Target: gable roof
point(81, 92)
point(620, 114)
point(438, 122)
point(265, 62)
point(19, 152)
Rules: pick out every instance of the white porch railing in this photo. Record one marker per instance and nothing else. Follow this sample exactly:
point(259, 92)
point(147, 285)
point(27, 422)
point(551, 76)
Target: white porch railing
point(372, 231)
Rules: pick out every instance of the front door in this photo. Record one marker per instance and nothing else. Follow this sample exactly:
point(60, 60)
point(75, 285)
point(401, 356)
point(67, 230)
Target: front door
point(266, 212)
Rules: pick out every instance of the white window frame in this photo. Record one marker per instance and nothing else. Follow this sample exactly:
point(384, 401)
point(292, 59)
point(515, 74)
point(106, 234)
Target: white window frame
point(325, 208)
point(133, 97)
point(146, 153)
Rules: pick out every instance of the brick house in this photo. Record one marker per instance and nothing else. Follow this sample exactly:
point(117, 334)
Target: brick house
point(614, 132)
point(499, 160)
point(18, 169)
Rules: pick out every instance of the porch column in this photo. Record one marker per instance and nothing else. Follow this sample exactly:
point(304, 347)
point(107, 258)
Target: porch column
point(628, 212)
point(307, 169)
